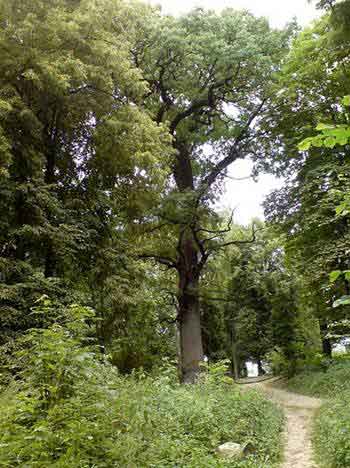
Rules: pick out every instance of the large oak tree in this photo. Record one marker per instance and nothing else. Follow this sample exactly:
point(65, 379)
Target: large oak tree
point(210, 80)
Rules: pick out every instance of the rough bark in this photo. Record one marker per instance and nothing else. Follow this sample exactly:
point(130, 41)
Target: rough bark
point(191, 345)
point(261, 370)
point(190, 338)
point(50, 166)
point(326, 342)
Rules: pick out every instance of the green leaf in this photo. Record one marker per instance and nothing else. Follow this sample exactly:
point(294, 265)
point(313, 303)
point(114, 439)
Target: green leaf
point(334, 275)
point(305, 144)
point(318, 141)
point(344, 300)
point(346, 100)
point(330, 142)
point(342, 140)
point(342, 209)
point(323, 126)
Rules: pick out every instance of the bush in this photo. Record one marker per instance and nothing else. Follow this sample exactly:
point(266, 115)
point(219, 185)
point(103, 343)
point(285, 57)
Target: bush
point(332, 425)
point(332, 433)
point(327, 382)
point(278, 362)
point(139, 423)
point(72, 409)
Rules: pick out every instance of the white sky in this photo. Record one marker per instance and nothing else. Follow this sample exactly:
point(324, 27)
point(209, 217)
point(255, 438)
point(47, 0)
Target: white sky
point(278, 11)
point(246, 196)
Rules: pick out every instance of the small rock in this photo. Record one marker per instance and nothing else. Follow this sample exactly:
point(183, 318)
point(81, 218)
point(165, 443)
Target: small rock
point(231, 450)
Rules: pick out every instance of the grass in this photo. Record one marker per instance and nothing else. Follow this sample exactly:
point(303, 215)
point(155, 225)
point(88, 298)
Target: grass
point(332, 432)
point(71, 409)
point(134, 422)
point(332, 425)
point(323, 383)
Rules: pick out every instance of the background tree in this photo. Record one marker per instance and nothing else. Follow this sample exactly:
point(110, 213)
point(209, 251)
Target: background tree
point(253, 306)
point(314, 74)
point(74, 140)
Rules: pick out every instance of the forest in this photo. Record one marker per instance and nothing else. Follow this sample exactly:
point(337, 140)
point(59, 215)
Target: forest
point(131, 305)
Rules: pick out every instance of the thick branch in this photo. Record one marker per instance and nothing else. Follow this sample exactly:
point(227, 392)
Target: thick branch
point(170, 263)
point(233, 154)
point(198, 105)
point(239, 242)
point(219, 231)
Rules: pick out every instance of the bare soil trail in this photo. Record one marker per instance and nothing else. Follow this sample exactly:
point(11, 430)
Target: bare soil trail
point(299, 411)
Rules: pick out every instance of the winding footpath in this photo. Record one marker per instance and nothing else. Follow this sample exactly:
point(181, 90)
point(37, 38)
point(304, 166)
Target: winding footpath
point(299, 411)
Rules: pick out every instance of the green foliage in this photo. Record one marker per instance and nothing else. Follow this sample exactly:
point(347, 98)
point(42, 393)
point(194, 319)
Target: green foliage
point(332, 428)
point(334, 275)
point(71, 409)
point(324, 379)
point(330, 135)
point(344, 300)
point(332, 424)
point(278, 362)
point(311, 209)
point(74, 139)
point(252, 308)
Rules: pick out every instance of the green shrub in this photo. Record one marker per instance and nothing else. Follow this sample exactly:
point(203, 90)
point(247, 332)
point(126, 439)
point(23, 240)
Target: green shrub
point(332, 425)
point(283, 364)
point(332, 433)
point(278, 362)
point(72, 409)
point(327, 382)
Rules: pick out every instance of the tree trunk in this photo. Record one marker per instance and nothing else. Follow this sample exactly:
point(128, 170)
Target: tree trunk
point(260, 368)
point(243, 372)
point(235, 363)
point(191, 346)
point(189, 270)
point(234, 357)
point(178, 352)
point(190, 338)
point(326, 342)
point(327, 347)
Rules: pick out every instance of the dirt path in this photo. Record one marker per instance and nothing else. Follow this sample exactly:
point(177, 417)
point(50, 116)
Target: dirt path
point(299, 410)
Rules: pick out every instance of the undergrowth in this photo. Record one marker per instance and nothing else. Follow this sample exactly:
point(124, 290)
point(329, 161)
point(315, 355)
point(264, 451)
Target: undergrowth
point(69, 407)
point(325, 382)
point(332, 432)
point(332, 424)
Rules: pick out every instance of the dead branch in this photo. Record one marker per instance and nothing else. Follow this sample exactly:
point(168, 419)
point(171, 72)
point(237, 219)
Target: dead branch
point(239, 242)
point(167, 261)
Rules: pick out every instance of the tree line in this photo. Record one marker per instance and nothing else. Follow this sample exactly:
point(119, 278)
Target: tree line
point(118, 126)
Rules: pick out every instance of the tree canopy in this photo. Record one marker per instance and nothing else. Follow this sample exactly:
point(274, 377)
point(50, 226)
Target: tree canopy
point(119, 126)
